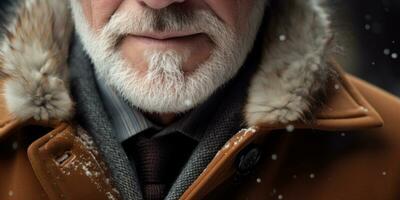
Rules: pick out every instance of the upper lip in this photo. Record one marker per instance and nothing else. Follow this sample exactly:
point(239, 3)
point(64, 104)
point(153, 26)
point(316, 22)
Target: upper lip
point(166, 35)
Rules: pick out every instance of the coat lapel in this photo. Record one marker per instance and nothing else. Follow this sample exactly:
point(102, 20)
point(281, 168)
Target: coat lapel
point(68, 166)
point(227, 120)
point(345, 109)
point(93, 117)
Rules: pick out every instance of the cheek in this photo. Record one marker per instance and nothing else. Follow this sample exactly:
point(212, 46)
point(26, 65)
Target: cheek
point(224, 9)
point(101, 11)
point(232, 12)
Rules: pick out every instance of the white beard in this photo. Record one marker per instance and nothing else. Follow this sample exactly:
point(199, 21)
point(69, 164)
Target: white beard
point(166, 88)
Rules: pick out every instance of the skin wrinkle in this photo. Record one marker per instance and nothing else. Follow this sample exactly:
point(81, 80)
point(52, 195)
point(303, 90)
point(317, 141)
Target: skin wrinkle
point(96, 21)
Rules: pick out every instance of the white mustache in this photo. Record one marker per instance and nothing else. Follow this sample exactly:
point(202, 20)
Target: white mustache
point(139, 23)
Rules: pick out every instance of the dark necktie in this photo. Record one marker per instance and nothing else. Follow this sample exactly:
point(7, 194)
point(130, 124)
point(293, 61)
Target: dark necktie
point(158, 161)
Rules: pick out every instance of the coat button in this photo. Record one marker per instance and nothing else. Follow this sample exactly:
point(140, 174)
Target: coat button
point(248, 159)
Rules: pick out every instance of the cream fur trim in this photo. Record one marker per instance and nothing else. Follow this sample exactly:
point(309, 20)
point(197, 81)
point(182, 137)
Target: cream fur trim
point(293, 68)
point(33, 58)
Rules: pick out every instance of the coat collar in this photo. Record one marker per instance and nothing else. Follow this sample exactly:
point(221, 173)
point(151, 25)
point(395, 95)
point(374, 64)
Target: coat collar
point(293, 76)
point(294, 70)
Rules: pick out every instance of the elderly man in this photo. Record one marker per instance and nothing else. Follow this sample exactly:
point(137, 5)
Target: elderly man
point(188, 99)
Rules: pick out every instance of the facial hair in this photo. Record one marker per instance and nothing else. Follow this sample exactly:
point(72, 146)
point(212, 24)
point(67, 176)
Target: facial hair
point(165, 88)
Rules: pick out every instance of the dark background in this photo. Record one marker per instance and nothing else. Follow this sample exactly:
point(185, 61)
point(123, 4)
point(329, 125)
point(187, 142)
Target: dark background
point(370, 34)
point(369, 39)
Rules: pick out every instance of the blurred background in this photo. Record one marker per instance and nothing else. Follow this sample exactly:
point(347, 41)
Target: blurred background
point(368, 32)
point(369, 39)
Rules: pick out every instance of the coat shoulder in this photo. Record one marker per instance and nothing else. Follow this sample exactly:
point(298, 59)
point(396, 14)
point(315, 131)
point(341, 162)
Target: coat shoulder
point(386, 104)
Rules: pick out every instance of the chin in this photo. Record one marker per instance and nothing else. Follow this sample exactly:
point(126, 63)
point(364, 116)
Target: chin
point(190, 53)
point(163, 87)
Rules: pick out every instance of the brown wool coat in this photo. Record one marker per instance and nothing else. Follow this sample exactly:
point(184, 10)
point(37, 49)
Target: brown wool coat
point(297, 146)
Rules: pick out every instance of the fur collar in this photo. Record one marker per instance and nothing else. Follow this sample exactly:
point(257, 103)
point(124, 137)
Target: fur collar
point(294, 68)
point(33, 60)
point(293, 71)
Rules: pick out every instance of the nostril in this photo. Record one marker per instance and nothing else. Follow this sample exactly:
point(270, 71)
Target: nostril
point(141, 3)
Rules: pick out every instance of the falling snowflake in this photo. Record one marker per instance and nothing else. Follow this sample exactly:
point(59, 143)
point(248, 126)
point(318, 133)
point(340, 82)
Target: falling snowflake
point(282, 37)
point(395, 55)
point(343, 134)
point(274, 157)
point(15, 145)
point(337, 86)
point(10, 193)
point(386, 52)
point(367, 27)
point(258, 180)
point(312, 176)
point(290, 128)
point(384, 173)
point(280, 196)
point(188, 102)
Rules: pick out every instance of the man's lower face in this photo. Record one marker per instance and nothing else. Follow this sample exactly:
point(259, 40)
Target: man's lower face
point(167, 60)
point(169, 40)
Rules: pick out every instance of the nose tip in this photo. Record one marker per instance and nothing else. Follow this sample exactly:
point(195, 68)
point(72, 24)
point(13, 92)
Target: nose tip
point(160, 4)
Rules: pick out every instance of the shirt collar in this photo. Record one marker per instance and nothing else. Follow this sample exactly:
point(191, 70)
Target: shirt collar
point(128, 121)
point(193, 123)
